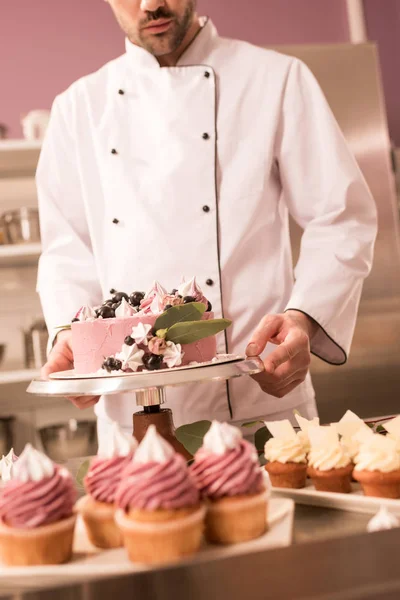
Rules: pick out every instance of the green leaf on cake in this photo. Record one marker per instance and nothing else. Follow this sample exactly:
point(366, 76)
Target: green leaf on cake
point(261, 437)
point(193, 311)
point(191, 436)
point(187, 333)
point(252, 423)
point(81, 473)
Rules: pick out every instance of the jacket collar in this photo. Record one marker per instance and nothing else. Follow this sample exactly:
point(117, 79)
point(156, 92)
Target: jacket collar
point(195, 54)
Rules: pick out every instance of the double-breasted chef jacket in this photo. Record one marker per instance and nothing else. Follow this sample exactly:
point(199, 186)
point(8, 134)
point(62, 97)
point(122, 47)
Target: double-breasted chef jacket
point(152, 172)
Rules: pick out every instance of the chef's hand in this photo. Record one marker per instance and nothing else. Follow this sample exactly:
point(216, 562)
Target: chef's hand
point(61, 359)
point(287, 366)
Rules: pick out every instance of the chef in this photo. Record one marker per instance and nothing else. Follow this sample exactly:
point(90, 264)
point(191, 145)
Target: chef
point(185, 156)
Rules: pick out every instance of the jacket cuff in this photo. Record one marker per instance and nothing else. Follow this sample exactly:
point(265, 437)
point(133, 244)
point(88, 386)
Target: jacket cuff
point(322, 344)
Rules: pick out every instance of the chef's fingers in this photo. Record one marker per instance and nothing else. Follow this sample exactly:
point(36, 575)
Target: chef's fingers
point(296, 341)
point(83, 402)
point(268, 328)
point(271, 384)
point(59, 360)
point(285, 372)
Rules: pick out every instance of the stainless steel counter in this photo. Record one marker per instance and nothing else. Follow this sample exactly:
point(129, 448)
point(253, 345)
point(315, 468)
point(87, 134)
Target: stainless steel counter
point(331, 557)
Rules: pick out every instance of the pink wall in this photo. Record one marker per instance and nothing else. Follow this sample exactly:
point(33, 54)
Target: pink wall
point(46, 44)
point(383, 25)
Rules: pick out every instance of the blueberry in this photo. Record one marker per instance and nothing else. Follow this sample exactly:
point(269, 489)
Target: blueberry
point(168, 306)
point(106, 312)
point(119, 295)
point(188, 299)
point(129, 341)
point(115, 305)
point(111, 364)
point(209, 306)
point(74, 320)
point(152, 362)
point(109, 302)
point(136, 298)
point(113, 291)
point(174, 291)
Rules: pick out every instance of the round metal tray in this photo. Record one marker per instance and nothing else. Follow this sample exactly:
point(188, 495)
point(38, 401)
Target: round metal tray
point(142, 381)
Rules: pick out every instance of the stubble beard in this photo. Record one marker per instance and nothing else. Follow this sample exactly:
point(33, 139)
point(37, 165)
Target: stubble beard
point(170, 41)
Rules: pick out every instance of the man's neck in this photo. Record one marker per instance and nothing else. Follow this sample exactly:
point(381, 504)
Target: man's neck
point(171, 60)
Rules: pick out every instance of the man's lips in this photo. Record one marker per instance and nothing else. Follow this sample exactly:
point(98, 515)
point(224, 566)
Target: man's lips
point(158, 26)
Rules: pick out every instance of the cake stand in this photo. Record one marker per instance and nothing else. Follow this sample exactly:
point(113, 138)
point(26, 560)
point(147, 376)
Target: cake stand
point(149, 387)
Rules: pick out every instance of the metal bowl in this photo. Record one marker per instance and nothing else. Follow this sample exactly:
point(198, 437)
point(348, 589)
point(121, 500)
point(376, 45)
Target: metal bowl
point(73, 439)
point(21, 226)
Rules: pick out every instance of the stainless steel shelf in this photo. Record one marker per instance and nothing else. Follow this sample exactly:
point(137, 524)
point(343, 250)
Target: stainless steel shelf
point(18, 158)
point(19, 255)
point(18, 376)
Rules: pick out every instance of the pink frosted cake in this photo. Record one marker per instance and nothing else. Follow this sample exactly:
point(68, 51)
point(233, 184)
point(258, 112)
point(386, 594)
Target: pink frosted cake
point(146, 331)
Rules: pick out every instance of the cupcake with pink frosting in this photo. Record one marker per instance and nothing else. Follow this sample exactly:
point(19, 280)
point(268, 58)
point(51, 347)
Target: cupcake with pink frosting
point(160, 514)
point(37, 512)
point(228, 476)
point(101, 482)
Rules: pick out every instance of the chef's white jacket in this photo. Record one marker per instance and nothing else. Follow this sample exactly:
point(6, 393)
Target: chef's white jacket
point(153, 173)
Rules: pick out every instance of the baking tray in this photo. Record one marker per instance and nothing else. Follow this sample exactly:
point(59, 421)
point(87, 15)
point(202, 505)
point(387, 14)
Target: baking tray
point(353, 502)
point(89, 561)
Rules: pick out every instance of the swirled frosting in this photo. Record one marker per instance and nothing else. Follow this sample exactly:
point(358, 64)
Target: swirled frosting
point(226, 465)
point(156, 478)
point(378, 453)
point(104, 477)
point(284, 451)
point(326, 451)
point(286, 446)
point(326, 458)
point(37, 495)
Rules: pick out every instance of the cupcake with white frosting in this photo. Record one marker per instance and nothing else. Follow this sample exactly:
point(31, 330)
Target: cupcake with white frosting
point(101, 482)
point(286, 455)
point(329, 465)
point(227, 474)
point(305, 425)
point(353, 432)
point(37, 517)
point(160, 514)
point(378, 467)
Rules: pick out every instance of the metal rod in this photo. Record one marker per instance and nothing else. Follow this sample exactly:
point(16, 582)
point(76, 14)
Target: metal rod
point(150, 397)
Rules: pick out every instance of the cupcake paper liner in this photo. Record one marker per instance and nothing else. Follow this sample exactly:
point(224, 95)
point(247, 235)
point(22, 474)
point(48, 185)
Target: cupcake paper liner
point(378, 484)
point(45, 545)
point(165, 537)
point(287, 475)
point(334, 480)
point(99, 521)
point(232, 520)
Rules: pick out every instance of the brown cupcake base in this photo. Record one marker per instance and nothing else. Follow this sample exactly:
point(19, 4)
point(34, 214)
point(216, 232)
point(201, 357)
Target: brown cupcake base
point(45, 545)
point(334, 480)
point(161, 536)
point(100, 525)
point(231, 520)
point(287, 475)
point(378, 484)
